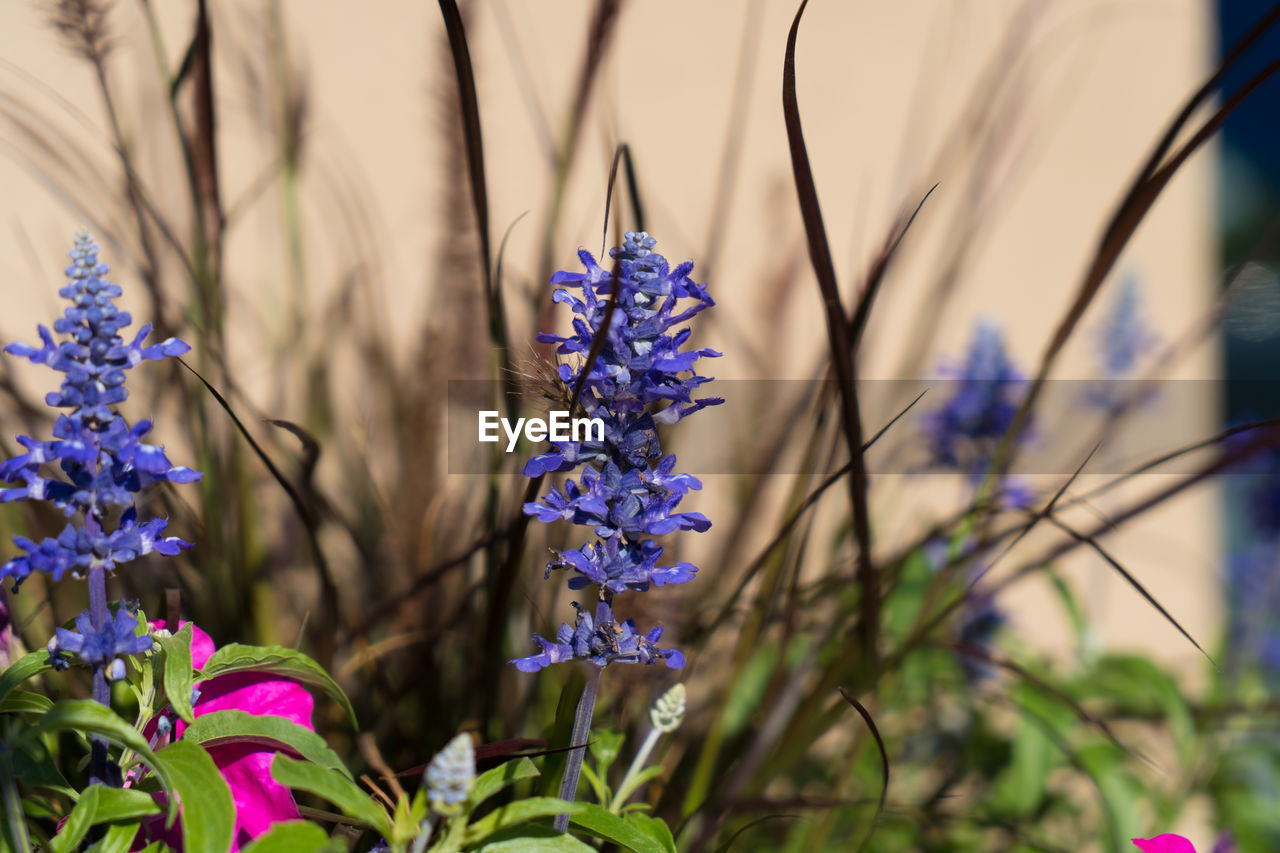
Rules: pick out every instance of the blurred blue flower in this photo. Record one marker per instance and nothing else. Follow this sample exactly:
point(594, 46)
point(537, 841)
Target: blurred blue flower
point(1123, 337)
point(628, 490)
point(964, 433)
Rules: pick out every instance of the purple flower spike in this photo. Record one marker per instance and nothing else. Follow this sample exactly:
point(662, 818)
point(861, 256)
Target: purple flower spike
point(627, 490)
point(104, 461)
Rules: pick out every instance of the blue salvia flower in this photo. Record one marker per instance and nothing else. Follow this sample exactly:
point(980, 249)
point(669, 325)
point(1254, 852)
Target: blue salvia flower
point(1124, 337)
point(102, 460)
point(1253, 588)
point(965, 431)
point(628, 490)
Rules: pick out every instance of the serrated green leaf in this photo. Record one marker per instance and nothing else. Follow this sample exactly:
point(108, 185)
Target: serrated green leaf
point(602, 823)
point(276, 660)
point(87, 717)
point(25, 702)
point(518, 812)
point(492, 781)
point(265, 730)
point(179, 676)
point(208, 812)
point(25, 667)
point(534, 838)
point(334, 787)
point(294, 837)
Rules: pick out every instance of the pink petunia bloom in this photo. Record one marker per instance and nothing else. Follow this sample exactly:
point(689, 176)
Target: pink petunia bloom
point(1166, 843)
point(260, 800)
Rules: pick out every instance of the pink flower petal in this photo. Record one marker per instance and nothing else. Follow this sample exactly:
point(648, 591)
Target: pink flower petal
point(1166, 843)
point(260, 800)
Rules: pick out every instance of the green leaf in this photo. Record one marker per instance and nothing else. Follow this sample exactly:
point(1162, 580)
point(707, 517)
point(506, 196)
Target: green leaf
point(534, 838)
point(118, 839)
point(87, 717)
point(633, 783)
point(179, 676)
point(520, 811)
point(25, 702)
point(656, 829)
point(208, 812)
point(492, 781)
point(276, 660)
point(597, 784)
point(266, 730)
point(294, 837)
point(605, 746)
point(100, 804)
point(602, 823)
point(334, 787)
point(25, 667)
point(115, 804)
point(78, 822)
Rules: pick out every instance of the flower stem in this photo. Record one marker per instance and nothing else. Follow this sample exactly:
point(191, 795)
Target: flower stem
point(98, 616)
point(637, 764)
point(578, 740)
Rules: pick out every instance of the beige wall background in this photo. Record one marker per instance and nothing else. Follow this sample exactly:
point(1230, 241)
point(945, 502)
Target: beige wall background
point(1082, 91)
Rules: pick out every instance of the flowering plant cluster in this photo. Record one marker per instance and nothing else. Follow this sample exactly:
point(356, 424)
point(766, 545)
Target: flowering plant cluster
point(105, 464)
point(628, 490)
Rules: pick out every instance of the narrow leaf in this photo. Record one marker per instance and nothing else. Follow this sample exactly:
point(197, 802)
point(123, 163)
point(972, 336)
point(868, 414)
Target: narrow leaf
point(518, 812)
point(292, 837)
point(276, 660)
point(208, 812)
point(492, 781)
point(87, 717)
point(604, 824)
point(233, 726)
point(334, 787)
point(25, 702)
point(179, 677)
point(25, 667)
point(117, 839)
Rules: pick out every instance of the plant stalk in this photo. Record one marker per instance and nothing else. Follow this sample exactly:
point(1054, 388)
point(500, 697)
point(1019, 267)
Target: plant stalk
point(578, 742)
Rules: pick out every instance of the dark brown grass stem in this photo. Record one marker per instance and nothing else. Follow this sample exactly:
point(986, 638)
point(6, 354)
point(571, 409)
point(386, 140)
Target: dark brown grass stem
point(735, 137)
point(599, 38)
point(797, 514)
point(884, 761)
point(330, 611)
point(842, 354)
point(203, 145)
point(1133, 208)
point(83, 23)
point(1224, 462)
point(469, 104)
